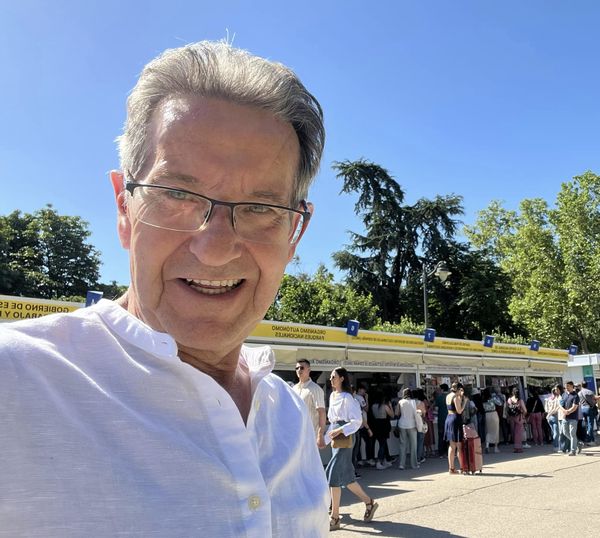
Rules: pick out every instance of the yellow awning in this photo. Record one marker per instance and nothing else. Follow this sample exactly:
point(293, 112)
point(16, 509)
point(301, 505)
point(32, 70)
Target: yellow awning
point(322, 353)
point(506, 364)
point(284, 355)
point(365, 357)
point(450, 360)
point(549, 366)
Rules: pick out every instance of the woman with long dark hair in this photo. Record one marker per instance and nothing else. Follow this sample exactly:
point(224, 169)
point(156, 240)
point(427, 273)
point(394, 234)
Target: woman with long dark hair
point(382, 413)
point(516, 411)
point(345, 418)
point(453, 428)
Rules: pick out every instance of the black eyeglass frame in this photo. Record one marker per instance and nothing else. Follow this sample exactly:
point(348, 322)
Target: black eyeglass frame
point(130, 187)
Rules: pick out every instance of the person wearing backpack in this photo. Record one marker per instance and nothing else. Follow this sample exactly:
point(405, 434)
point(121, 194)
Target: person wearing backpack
point(516, 412)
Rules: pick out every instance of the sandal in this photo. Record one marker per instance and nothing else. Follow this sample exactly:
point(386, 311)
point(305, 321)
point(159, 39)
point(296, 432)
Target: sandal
point(334, 523)
point(370, 511)
point(453, 471)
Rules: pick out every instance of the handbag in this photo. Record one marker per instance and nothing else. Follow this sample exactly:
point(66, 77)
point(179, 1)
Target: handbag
point(418, 417)
point(341, 441)
point(470, 432)
point(396, 429)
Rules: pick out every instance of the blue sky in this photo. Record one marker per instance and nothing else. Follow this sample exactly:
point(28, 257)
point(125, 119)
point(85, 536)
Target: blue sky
point(489, 100)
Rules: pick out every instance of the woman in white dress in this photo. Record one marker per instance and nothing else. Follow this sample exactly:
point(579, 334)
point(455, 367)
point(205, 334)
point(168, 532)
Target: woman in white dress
point(492, 422)
point(345, 419)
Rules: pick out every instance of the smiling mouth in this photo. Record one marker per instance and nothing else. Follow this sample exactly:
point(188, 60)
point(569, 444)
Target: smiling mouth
point(212, 287)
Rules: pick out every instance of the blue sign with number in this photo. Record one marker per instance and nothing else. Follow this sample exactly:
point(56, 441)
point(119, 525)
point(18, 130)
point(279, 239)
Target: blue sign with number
point(429, 335)
point(352, 327)
point(573, 349)
point(488, 341)
point(535, 345)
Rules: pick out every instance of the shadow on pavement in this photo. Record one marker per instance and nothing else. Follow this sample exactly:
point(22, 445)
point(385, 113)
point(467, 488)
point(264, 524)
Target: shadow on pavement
point(387, 528)
point(512, 475)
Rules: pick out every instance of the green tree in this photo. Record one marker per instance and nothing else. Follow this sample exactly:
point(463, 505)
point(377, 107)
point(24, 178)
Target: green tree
point(319, 300)
point(552, 257)
point(44, 254)
point(386, 260)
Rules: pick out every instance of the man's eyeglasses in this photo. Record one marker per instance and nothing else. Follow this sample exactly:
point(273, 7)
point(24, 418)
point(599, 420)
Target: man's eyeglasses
point(299, 367)
point(184, 211)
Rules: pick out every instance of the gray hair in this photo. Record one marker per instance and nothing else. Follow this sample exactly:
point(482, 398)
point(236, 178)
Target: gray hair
point(218, 70)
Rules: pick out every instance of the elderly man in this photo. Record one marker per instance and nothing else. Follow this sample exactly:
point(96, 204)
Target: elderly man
point(148, 416)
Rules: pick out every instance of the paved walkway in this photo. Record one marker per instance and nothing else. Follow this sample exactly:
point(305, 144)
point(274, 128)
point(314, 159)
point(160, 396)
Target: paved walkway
point(531, 494)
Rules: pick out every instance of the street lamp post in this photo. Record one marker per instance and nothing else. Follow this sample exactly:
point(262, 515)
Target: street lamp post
point(440, 271)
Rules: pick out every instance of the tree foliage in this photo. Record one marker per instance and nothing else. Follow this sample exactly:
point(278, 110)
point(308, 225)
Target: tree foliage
point(552, 258)
point(44, 254)
point(387, 257)
point(319, 300)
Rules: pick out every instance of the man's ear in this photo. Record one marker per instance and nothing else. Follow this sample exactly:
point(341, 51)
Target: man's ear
point(123, 222)
point(311, 209)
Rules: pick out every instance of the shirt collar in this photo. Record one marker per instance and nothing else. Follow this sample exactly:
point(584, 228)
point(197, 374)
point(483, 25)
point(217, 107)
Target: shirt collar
point(259, 359)
point(135, 331)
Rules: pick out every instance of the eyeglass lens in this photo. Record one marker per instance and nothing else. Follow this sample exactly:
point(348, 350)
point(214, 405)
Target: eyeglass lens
point(180, 211)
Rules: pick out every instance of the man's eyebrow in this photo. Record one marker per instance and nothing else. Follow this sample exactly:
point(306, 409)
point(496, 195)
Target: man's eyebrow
point(170, 176)
point(273, 197)
point(264, 196)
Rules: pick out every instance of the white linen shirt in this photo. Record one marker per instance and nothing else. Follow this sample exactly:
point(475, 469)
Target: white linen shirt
point(343, 407)
point(105, 432)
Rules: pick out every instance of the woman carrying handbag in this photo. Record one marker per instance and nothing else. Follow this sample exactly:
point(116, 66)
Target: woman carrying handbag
point(345, 419)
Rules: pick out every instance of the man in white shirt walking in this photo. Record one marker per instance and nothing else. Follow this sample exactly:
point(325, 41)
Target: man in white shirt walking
point(148, 417)
point(314, 398)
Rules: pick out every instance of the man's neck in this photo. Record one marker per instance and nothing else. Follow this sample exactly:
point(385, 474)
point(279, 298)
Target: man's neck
point(224, 368)
point(229, 372)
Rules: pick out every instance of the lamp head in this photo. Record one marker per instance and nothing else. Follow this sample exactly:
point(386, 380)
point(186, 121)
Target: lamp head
point(442, 271)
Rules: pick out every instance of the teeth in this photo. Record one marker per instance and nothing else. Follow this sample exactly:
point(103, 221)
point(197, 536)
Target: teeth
point(212, 287)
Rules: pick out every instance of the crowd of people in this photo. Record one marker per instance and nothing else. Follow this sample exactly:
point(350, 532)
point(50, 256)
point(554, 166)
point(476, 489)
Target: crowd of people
point(564, 417)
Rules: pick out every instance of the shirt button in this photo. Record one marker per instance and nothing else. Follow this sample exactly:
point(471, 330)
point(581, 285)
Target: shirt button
point(257, 406)
point(254, 502)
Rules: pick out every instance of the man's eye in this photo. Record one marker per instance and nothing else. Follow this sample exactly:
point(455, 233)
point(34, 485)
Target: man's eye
point(178, 195)
point(258, 209)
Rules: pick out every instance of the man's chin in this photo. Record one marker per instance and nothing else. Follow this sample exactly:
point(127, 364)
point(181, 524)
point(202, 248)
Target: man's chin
point(208, 336)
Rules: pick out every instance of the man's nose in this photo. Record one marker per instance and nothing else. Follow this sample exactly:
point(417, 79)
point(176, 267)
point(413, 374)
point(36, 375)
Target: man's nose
point(217, 243)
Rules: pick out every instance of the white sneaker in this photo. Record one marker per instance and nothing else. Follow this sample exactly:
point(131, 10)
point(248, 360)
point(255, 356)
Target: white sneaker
point(387, 464)
point(401, 467)
point(496, 450)
point(525, 445)
point(380, 466)
point(371, 463)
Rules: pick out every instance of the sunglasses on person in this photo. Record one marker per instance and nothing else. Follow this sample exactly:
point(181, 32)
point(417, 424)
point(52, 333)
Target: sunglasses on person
point(299, 367)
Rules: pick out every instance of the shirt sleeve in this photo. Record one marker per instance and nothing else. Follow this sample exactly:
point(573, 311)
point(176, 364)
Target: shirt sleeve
point(320, 398)
point(354, 420)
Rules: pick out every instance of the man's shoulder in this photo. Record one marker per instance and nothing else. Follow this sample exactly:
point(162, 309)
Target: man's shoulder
point(39, 332)
point(314, 386)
